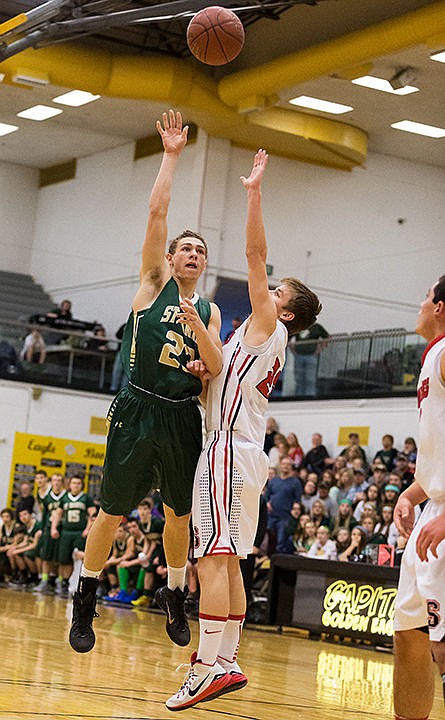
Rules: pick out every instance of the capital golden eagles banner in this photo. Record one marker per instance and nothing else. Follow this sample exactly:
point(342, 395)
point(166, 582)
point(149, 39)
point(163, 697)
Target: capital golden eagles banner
point(55, 455)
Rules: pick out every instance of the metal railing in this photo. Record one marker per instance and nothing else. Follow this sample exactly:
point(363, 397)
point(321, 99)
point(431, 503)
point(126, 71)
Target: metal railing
point(361, 364)
point(380, 363)
point(69, 361)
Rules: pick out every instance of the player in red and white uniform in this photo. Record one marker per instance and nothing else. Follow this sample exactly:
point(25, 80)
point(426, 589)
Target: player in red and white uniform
point(225, 495)
point(232, 469)
point(419, 620)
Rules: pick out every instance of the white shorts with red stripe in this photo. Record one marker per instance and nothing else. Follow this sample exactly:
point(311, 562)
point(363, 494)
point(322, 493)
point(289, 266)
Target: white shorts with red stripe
point(420, 600)
point(230, 476)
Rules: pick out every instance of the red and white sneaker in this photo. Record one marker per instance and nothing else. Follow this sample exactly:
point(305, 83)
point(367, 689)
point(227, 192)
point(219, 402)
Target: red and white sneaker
point(202, 683)
point(237, 678)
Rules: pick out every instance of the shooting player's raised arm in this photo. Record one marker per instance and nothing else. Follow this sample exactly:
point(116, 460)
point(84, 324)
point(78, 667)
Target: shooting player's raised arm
point(174, 139)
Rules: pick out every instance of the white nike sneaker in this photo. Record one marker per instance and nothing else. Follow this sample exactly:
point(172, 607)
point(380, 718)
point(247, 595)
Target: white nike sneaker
point(202, 683)
point(237, 678)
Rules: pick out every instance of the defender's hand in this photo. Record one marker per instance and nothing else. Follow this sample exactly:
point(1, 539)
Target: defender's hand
point(257, 172)
point(173, 135)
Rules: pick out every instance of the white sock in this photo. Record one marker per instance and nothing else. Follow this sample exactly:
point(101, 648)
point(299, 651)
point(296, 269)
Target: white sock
point(90, 573)
point(176, 577)
point(211, 629)
point(229, 647)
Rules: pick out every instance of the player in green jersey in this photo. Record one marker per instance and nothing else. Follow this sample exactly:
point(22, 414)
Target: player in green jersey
point(48, 548)
point(23, 555)
point(6, 541)
point(42, 486)
point(155, 428)
point(75, 514)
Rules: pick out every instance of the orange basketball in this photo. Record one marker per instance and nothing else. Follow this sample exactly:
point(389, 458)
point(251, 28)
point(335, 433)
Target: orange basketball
point(215, 35)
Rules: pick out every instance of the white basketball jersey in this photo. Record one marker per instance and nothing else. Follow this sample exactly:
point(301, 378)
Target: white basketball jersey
point(430, 464)
point(238, 396)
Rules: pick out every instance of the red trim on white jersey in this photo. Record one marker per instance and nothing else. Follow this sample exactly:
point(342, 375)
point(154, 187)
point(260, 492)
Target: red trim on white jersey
point(431, 345)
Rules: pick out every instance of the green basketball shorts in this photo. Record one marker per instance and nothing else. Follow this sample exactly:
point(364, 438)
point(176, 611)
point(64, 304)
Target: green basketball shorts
point(153, 443)
point(68, 540)
point(48, 547)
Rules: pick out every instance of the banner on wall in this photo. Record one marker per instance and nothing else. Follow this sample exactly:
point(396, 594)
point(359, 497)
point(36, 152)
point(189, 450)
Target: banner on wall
point(67, 457)
point(361, 430)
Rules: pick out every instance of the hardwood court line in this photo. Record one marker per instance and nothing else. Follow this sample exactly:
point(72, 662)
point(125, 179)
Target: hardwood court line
point(85, 690)
point(131, 672)
point(82, 716)
point(80, 689)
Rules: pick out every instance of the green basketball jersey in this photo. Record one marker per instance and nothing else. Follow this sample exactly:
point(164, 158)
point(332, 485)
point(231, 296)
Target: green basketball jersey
point(119, 547)
point(32, 530)
point(153, 529)
point(156, 347)
point(6, 536)
point(50, 502)
point(40, 498)
point(75, 513)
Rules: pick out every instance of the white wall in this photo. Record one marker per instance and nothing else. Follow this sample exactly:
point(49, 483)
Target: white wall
point(348, 222)
point(89, 230)
point(56, 413)
point(338, 231)
point(61, 414)
point(18, 204)
point(397, 416)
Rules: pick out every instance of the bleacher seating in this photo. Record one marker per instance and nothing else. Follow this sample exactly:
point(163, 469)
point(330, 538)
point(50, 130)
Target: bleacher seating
point(20, 297)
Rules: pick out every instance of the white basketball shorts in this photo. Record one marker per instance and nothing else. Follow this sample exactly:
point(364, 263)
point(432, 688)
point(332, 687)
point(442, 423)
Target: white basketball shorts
point(230, 476)
point(420, 600)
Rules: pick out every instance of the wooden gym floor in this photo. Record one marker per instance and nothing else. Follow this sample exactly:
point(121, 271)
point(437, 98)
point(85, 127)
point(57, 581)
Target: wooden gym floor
point(132, 671)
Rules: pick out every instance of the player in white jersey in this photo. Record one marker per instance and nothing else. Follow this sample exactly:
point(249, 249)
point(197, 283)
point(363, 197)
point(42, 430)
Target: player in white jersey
point(232, 469)
point(225, 495)
point(419, 620)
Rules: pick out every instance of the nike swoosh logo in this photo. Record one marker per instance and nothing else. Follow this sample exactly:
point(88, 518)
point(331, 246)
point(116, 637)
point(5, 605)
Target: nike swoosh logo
point(198, 688)
point(212, 632)
point(169, 616)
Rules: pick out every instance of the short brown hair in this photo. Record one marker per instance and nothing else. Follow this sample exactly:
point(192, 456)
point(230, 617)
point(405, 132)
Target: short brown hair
point(439, 290)
point(182, 236)
point(304, 304)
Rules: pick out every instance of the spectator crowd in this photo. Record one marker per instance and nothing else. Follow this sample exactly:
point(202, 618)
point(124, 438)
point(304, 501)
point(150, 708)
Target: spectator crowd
point(334, 508)
point(42, 542)
point(313, 505)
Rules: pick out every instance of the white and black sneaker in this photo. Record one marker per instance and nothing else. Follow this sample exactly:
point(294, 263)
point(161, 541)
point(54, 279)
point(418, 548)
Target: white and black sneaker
point(202, 683)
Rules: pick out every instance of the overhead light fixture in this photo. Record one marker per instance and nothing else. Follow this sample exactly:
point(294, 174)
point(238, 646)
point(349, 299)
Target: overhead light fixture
point(39, 112)
point(403, 77)
point(419, 128)
point(376, 83)
point(75, 98)
point(23, 76)
point(438, 57)
point(321, 105)
point(5, 128)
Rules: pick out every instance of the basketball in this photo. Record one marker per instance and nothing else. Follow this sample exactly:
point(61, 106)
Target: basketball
point(215, 35)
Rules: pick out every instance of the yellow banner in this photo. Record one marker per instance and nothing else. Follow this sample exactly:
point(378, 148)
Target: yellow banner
point(361, 430)
point(55, 455)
